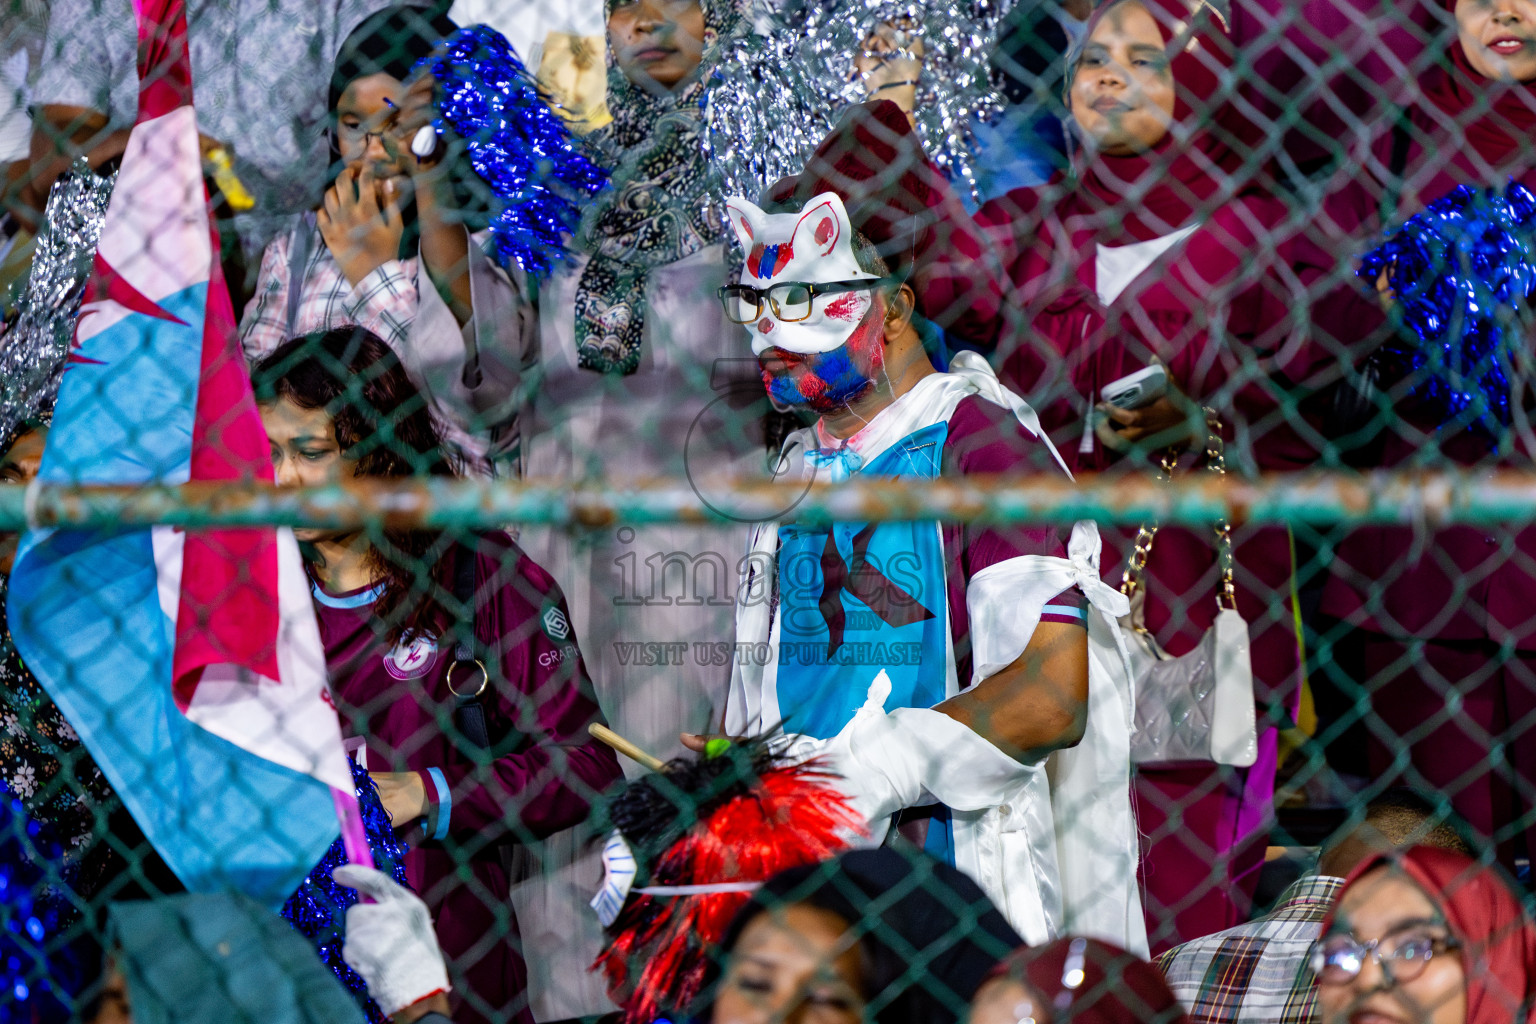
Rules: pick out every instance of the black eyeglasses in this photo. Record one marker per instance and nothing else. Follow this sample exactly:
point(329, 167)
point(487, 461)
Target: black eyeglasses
point(1338, 959)
point(790, 301)
point(380, 126)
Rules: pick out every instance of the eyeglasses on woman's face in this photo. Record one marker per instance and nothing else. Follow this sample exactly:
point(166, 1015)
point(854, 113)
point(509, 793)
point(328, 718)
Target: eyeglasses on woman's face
point(1402, 956)
point(790, 301)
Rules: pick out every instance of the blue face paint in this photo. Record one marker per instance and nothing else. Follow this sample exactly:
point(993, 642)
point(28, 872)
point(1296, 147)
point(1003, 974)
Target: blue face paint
point(830, 381)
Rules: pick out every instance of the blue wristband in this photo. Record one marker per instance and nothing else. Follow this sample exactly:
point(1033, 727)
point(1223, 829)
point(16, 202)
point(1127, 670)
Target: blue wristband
point(444, 802)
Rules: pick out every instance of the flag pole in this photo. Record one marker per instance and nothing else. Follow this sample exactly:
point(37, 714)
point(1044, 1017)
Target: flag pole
point(354, 838)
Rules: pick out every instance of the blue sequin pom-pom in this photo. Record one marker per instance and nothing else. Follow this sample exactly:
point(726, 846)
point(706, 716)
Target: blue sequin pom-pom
point(318, 909)
point(1461, 272)
point(537, 174)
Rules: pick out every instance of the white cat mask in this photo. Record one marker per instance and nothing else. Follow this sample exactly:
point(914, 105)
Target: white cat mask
point(814, 246)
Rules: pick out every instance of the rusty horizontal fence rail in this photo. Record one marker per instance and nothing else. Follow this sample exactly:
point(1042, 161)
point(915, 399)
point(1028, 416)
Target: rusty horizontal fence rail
point(1319, 499)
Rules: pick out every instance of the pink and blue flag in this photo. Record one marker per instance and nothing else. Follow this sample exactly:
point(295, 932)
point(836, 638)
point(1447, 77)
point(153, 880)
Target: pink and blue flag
point(189, 662)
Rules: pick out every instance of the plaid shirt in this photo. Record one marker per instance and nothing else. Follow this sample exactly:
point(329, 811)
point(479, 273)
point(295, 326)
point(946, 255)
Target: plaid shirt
point(384, 302)
point(1256, 973)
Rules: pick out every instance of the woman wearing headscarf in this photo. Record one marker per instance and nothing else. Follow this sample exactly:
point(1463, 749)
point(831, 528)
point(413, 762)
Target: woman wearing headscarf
point(631, 376)
point(1075, 979)
point(1427, 936)
point(1444, 619)
point(1164, 249)
point(887, 935)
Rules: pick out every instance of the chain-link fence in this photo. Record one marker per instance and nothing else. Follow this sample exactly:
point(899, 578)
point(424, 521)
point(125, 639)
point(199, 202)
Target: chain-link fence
point(763, 511)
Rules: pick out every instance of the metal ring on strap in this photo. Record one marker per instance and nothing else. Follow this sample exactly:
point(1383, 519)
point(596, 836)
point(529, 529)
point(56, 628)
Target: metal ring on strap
point(485, 677)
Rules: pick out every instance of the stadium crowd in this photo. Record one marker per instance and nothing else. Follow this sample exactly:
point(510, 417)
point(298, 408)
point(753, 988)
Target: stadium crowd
point(786, 769)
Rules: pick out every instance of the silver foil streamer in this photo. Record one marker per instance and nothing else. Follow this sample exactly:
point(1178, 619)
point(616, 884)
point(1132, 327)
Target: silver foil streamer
point(764, 114)
point(958, 84)
point(33, 349)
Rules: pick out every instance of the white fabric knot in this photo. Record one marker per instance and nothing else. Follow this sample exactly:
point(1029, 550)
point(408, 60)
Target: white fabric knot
point(1083, 553)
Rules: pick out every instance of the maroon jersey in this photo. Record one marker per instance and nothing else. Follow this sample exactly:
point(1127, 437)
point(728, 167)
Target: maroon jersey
point(985, 438)
point(544, 770)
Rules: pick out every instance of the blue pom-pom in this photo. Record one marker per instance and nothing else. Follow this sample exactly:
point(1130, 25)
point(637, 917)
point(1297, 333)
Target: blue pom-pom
point(318, 909)
point(32, 913)
point(1462, 271)
point(538, 176)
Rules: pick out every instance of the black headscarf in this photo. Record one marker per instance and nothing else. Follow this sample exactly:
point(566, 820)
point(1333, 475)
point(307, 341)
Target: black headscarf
point(929, 935)
point(391, 42)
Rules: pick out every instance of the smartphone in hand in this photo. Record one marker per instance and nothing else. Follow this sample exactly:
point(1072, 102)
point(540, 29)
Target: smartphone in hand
point(1138, 389)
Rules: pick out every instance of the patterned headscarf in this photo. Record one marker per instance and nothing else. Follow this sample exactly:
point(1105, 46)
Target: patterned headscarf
point(662, 206)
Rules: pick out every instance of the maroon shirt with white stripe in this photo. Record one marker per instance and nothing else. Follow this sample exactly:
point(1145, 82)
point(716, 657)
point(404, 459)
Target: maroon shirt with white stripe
point(538, 704)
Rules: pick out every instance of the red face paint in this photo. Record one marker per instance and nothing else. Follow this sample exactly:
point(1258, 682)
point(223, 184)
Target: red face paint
point(765, 325)
point(866, 346)
point(828, 381)
point(844, 307)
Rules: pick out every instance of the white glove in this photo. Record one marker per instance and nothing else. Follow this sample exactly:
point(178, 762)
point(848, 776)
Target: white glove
point(914, 756)
point(391, 942)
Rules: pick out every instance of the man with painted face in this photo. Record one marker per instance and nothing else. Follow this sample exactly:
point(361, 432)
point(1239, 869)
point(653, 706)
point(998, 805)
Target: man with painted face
point(938, 667)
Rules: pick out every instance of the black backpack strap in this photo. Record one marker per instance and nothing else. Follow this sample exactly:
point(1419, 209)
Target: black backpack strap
point(473, 679)
point(469, 682)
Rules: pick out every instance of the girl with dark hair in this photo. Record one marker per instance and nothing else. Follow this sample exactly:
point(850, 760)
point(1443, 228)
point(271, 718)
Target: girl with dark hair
point(406, 660)
point(887, 935)
point(388, 217)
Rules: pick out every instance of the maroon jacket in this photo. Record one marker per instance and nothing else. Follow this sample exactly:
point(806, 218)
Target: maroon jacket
point(538, 704)
point(1074, 344)
point(1221, 322)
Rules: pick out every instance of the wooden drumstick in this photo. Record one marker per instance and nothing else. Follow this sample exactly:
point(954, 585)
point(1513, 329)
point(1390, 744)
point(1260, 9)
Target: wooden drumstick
point(623, 746)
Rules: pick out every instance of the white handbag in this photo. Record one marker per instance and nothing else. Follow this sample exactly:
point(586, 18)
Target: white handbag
point(1197, 707)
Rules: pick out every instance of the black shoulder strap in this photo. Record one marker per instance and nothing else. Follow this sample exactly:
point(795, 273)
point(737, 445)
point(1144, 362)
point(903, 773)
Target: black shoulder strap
point(468, 683)
point(464, 593)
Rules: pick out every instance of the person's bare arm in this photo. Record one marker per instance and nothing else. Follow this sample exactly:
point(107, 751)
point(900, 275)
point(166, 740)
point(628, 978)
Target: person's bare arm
point(444, 239)
point(61, 134)
point(1037, 704)
point(432, 1004)
point(444, 249)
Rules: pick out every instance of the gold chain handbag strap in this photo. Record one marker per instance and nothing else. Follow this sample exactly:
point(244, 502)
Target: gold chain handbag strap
point(1216, 461)
point(1136, 566)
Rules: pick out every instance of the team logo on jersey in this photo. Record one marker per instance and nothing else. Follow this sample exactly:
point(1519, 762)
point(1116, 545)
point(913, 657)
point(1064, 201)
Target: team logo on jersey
point(413, 659)
point(556, 625)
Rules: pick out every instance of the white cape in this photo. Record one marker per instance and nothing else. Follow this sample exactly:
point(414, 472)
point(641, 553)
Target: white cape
point(1053, 844)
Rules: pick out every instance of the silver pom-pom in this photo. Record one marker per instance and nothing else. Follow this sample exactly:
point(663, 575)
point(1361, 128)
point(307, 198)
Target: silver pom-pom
point(764, 114)
point(957, 86)
point(33, 350)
